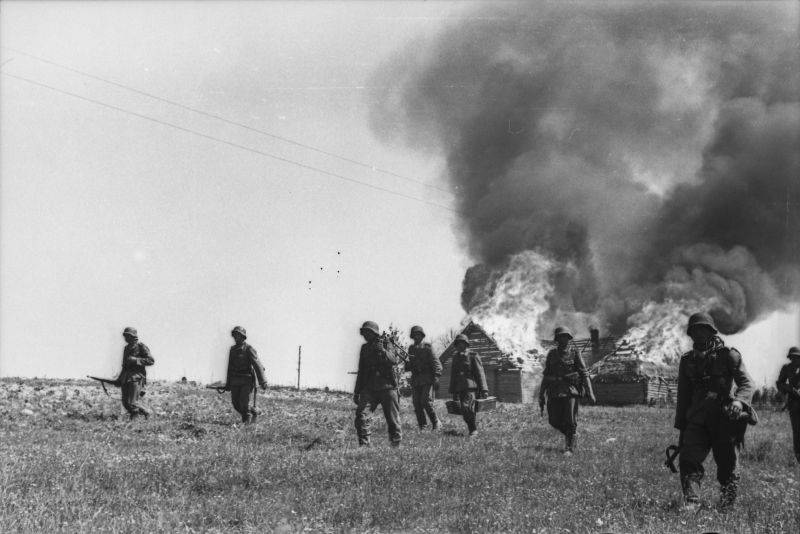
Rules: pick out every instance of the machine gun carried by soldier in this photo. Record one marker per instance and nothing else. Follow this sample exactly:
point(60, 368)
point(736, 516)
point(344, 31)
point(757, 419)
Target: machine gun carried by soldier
point(103, 381)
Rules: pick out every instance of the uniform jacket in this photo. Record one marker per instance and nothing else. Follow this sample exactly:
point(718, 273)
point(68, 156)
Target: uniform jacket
point(425, 367)
point(789, 382)
point(706, 382)
point(376, 368)
point(244, 366)
point(467, 373)
point(564, 373)
point(135, 358)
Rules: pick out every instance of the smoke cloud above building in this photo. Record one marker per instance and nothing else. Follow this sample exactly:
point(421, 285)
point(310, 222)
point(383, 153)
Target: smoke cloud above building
point(610, 159)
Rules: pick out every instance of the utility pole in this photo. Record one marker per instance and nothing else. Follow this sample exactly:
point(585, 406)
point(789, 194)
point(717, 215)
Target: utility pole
point(299, 354)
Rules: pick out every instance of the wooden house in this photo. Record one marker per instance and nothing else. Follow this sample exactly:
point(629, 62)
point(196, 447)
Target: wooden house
point(506, 378)
point(624, 378)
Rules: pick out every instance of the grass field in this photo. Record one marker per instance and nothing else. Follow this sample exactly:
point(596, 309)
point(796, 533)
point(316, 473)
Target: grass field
point(71, 462)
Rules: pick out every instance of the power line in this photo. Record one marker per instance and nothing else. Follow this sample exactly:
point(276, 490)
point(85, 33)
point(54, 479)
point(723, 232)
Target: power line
point(229, 143)
point(229, 121)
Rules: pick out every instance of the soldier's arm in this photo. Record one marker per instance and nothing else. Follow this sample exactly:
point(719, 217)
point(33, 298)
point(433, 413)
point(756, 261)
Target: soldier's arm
point(744, 384)
point(145, 358)
point(360, 375)
point(255, 363)
point(683, 397)
point(547, 374)
point(437, 365)
point(478, 374)
point(584, 376)
point(783, 381)
point(452, 387)
point(388, 358)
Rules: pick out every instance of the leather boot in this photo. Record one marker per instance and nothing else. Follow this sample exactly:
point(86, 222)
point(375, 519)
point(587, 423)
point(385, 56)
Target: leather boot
point(690, 486)
point(728, 494)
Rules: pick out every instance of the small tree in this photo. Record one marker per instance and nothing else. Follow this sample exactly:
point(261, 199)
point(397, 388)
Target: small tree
point(441, 343)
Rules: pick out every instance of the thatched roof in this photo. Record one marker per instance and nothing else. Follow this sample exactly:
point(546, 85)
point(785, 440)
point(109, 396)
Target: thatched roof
point(626, 366)
point(481, 344)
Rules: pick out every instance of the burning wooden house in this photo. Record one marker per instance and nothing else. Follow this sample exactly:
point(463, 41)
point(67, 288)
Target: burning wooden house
point(623, 377)
point(592, 349)
point(507, 378)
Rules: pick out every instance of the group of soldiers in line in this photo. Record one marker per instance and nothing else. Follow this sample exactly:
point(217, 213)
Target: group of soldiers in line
point(712, 412)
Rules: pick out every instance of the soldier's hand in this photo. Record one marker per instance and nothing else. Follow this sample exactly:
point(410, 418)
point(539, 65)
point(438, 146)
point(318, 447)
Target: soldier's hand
point(735, 409)
point(356, 398)
point(264, 386)
point(593, 399)
point(484, 394)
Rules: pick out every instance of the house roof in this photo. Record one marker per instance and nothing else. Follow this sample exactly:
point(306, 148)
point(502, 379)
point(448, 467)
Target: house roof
point(480, 343)
point(606, 345)
point(626, 366)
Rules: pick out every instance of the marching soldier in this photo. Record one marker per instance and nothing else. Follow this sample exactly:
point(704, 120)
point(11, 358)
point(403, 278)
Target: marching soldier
point(789, 384)
point(133, 377)
point(244, 368)
point(564, 381)
point(425, 370)
point(709, 413)
point(467, 380)
point(376, 384)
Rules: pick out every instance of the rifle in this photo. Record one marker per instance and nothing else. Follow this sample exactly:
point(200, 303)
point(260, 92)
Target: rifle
point(104, 381)
point(672, 452)
point(219, 386)
point(398, 350)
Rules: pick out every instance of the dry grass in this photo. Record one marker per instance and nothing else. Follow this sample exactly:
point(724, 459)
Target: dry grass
point(76, 465)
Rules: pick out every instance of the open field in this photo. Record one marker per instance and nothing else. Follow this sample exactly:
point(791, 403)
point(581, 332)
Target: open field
point(71, 462)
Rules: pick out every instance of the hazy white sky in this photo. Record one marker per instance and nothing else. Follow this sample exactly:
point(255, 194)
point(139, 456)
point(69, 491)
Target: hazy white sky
point(110, 220)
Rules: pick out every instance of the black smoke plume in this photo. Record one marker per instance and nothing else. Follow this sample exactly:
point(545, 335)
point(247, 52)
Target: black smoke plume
point(650, 151)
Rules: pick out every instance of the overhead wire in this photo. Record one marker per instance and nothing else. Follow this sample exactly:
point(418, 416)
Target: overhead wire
point(294, 142)
point(229, 143)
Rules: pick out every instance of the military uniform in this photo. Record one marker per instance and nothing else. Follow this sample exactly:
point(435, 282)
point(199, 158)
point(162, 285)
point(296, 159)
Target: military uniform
point(244, 368)
point(706, 377)
point(425, 370)
point(564, 380)
point(376, 384)
point(789, 384)
point(133, 378)
point(466, 380)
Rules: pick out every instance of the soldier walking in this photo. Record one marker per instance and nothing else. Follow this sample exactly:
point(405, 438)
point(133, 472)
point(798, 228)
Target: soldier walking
point(709, 413)
point(244, 368)
point(376, 384)
point(789, 384)
point(467, 381)
point(425, 370)
point(133, 377)
point(564, 382)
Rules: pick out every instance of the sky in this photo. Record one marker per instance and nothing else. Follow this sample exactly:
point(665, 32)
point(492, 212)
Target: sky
point(118, 209)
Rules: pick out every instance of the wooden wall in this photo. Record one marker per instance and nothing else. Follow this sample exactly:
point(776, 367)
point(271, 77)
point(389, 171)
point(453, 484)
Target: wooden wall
point(655, 390)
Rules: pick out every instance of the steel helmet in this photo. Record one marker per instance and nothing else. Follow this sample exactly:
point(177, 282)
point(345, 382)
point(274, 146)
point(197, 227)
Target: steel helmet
point(562, 330)
point(372, 326)
point(417, 330)
point(794, 352)
point(130, 331)
point(239, 330)
point(701, 318)
point(461, 337)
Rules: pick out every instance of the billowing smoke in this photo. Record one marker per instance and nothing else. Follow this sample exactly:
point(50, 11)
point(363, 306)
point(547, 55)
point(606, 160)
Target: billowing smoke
point(635, 161)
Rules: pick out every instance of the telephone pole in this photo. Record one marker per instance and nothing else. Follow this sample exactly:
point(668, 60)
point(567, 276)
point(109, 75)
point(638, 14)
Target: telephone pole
point(299, 354)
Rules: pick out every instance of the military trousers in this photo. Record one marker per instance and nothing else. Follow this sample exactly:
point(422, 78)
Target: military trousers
point(131, 392)
point(466, 400)
point(240, 398)
point(368, 401)
point(422, 397)
point(704, 432)
point(794, 417)
point(562, 414)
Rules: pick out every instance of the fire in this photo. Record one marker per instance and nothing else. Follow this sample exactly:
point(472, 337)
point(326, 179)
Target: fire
point(658, 331)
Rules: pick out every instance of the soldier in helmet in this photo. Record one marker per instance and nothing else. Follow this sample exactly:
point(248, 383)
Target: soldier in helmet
point(564, 381)
point(244, 368)
point(425, 370)
point(710, 414)
point(467, 381)
point(376, 384)
point(789, 384)
point(135, 357)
